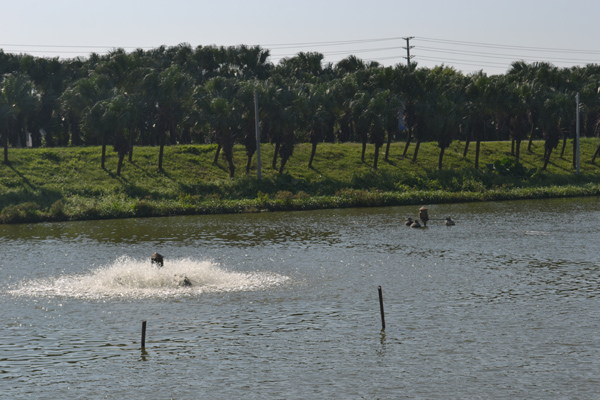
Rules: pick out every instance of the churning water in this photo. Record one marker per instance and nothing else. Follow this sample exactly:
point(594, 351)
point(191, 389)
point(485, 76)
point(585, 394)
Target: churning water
point(503, 305)
point(134, 278)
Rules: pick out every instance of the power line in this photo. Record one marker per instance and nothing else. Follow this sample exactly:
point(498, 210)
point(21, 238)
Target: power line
point(449, 52)
point(339, 52)
point(278, 46)
point(72, 46)
point(496, 55)
point(512, 47)
point(491, 55)
point(463, 62)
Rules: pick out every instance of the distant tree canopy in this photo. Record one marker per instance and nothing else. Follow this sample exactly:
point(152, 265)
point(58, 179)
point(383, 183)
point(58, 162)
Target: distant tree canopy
point(186, 95)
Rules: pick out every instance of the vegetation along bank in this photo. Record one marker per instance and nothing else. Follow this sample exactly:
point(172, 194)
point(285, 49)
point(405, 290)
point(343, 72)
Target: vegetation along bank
point(68, 183)
point(171, 131)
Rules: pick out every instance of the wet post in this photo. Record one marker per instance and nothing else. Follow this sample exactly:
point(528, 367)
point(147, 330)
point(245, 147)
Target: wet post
point(143, 335)
point(381, 308)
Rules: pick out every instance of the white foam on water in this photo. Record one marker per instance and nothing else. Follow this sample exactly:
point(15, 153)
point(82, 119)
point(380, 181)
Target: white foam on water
point(130, 278)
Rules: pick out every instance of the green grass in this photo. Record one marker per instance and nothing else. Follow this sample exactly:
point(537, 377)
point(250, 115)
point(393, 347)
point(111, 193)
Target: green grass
point(68, 184)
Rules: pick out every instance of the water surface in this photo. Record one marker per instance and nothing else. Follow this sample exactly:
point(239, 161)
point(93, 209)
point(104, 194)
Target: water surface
point(284, 305)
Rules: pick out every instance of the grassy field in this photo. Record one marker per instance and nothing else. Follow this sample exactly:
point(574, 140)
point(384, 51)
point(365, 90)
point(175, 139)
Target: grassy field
point(48, 184)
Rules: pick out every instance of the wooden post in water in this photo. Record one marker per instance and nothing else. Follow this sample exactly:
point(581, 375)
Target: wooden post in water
point(381, 308)
point(143, 335)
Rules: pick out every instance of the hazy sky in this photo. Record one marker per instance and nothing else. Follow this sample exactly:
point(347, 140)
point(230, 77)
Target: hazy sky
point(468, 34)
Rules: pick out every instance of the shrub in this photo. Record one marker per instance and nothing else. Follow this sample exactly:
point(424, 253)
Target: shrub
point(284, 197)
point(57, 210)
point(17, 213)
point(143, 208)
point(49, 155)
point(508, 167)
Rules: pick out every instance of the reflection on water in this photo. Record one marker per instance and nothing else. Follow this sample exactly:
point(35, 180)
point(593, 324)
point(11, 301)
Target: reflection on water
point(285, 305)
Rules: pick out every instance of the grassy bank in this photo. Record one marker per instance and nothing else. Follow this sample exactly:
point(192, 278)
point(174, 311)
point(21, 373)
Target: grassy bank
point(53, 184)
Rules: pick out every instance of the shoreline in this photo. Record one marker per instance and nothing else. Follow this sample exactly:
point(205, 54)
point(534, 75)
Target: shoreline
point(68, 184)
point(77, 208)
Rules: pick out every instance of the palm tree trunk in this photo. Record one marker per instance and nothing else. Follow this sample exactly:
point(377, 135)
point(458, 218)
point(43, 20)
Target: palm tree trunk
point(467, 142)
point(512, 147)
point(596, 154)
point(387, 147)
point(283, 162)
point(231, 165)
point(441, 159)
point(376, 157)
point(364, 150)
point(574, 153)
point(249, 163)
point(416, 150)
point(562, 150)
point(216, 160)
point(274, 164)
point(518, 151)
point(5, 148)
point(130, 145)
point(530, 138)
point(312, 154)
point(120, 163)
point(103, 157)
point(477, 148)
point(547, 158)
point(408, 137)
point(161, 151)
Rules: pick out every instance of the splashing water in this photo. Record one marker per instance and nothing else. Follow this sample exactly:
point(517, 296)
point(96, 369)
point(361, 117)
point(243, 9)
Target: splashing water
point(128, 277)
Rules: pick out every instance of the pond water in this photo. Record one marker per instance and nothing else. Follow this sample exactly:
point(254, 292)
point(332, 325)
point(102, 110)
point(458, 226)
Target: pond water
point(506, 304)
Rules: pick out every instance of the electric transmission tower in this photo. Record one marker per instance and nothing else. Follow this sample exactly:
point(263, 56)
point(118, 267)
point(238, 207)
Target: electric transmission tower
point(408, 47)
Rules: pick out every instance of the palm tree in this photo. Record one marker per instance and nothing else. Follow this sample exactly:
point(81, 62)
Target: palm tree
point(319, 111)
point(252, 62)
point(388, 80)
point(97, 124)
point(519, 121)
point(50, 76)
point(281, 110)
point(555, 116)
point(216, 103)
point(446, 121)
point(170, 94)
point(305, 66)
point(479, 96)
point(376, 110)
point(362, 120)
point(345, 91)
point(247, 118)
point(411, 90)
point(85, 99)
point(120, 115)
point(7, 115)
point(19, 91)
point(220, 120)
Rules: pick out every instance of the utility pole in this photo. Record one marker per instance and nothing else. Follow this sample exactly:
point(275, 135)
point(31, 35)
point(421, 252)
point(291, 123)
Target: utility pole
point(258, 165)
point(577, 127)
point(408, 47)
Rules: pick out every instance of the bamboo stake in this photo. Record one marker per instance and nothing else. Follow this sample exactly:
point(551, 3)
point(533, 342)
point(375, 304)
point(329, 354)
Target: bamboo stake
point(381, 308)
point(143, 335)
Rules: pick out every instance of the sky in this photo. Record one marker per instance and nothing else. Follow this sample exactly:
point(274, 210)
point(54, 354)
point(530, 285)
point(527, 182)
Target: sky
point(469, 35)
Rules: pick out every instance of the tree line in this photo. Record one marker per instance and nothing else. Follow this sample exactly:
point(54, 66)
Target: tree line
point(185, 95)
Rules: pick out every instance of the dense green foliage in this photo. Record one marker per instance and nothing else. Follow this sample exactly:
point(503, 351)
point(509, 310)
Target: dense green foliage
point(172, 131)
point(66, 183)
point(185, 95)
